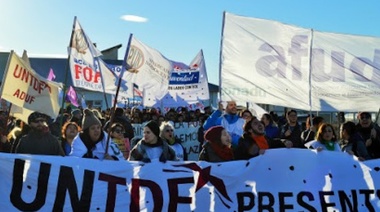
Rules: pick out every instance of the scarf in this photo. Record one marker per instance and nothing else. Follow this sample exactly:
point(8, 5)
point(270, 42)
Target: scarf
point(330, 145)
point(223, 151)
point(261, 141)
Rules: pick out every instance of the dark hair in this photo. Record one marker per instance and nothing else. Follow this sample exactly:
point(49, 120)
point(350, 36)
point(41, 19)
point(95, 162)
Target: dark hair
point(269, 117)
point(291, 111)
point(245, 111)
point(350, 127)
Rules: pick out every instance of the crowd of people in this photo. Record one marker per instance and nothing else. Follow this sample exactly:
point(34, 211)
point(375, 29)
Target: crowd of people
point(224, 134)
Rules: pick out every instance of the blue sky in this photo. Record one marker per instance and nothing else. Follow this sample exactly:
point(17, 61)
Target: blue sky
point(176, 28)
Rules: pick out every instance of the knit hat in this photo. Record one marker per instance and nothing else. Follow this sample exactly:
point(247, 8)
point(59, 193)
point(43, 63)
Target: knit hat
point(153, 126)
point(89, 119)
point(35, 115)
point(213, 134)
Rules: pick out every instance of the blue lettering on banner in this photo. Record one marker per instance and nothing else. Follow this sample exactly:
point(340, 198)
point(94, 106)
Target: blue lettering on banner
point(184, 78)
point(275, 65)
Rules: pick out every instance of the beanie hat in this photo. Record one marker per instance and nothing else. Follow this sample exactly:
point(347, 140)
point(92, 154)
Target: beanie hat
point(213, 134)
point(35, 115)
point(153, 126)
point(89, 119)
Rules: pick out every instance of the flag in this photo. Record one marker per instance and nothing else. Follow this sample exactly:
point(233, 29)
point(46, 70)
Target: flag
point(136, 91)
point(88, 70)
point(51, 75)
point(71, 96)
point(148, 68)
point(32, 93)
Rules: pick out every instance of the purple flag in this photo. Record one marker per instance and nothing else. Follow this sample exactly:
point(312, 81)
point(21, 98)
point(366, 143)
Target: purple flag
point(51, 75)
point(71, 96)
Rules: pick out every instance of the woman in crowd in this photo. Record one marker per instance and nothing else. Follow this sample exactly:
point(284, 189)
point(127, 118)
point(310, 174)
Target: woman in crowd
point(167, 134)
point(325, 139)
point(352, 142)
point(151, 147)
point(271, 129)
point(217, 147)
point(117, 134)
point(92, 141)
point(69, 131)
point(246, 115)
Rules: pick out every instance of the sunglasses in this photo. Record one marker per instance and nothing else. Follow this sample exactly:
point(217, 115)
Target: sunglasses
point(169, 130)
point(39, 120)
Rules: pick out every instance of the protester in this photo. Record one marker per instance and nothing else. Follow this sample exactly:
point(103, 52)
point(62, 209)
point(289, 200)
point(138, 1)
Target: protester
point(217, 147)
point(167, 135)
point(119, 117)
point(325, 139)
point(254, 142)
point(292, 130)
point(39, 140)
point(230, 120)
point(151, 147)
point(92, 141)
point(312, 127)
point(69, 131)
point(76, 116)
point(271, 129)
point(117, 134)
point(370, 133)
point(352, 142)
point(246, 115)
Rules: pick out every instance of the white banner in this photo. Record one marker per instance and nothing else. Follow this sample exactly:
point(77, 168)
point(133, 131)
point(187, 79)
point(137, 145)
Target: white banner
point(23, 87)
point(88, 70)
point(324, 181)
point(188, 85)
point(150, 70)
point(269, 62)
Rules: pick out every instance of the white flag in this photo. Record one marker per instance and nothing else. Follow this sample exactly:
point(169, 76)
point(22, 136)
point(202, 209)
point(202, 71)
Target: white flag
point(33, 92)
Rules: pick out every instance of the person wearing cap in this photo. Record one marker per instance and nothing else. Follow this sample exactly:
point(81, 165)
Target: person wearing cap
point(217, 147)
point(151, 147)
point(167, 134)
point(39, 140)
point(91, 142)
point(370, 132)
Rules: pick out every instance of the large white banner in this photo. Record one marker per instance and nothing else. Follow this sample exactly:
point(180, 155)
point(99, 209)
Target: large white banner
point(23, 87)
point(324, 181)
point(269, 62)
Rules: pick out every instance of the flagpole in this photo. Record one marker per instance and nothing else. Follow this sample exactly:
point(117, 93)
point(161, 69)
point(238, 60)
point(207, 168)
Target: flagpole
point(123, 69)
point(66, 76)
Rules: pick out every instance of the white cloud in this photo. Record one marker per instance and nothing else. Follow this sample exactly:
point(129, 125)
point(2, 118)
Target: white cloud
point(133, 18)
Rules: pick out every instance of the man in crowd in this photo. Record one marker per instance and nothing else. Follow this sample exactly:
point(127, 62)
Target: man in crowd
point(292, 130)
point(39, 140)
point(230, 120)
point(370, 132)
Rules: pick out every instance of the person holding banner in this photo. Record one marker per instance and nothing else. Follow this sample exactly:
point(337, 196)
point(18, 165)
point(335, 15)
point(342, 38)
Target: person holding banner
point(39, 140)
point(167, 134)
point(325, 139)
point(352, 142)
point(230, 120)
point(151, 147)
point(92, 141)
point(69, 131)
point(217, 147)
